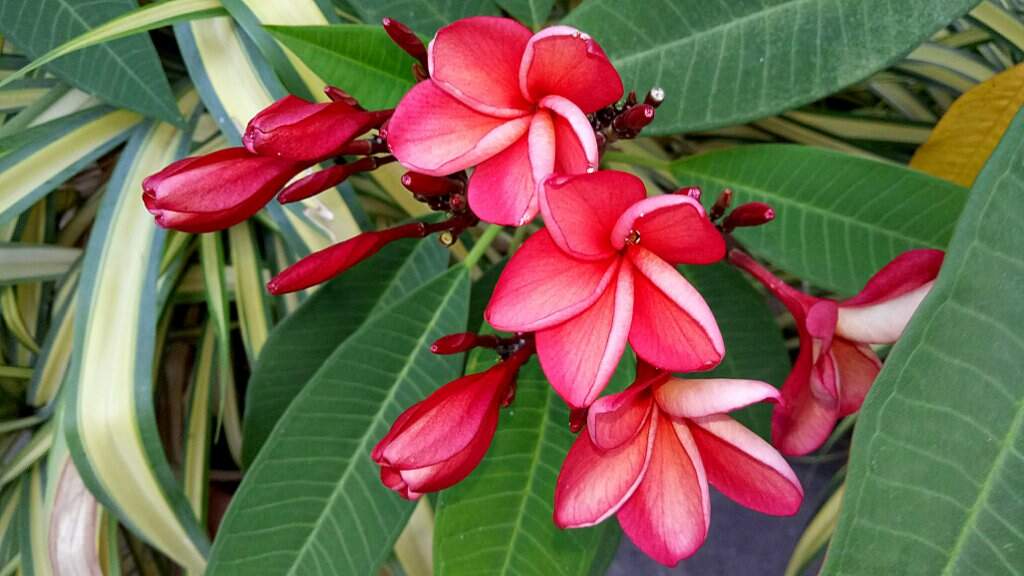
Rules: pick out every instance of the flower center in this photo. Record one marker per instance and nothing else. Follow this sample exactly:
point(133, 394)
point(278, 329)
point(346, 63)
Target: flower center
point(633, 238)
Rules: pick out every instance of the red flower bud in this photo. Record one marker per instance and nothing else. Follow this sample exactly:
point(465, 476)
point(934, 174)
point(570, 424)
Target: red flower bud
point(655, 97)
point(455, 343)
point(298, 130)
point(749, 214)
point(215, 191)
point(321, 180)
point(327, 263)
point(691, 191)
point(338, 95)
point(721, 204)
point(634, 119)
point(429, 186)
point(407, 40)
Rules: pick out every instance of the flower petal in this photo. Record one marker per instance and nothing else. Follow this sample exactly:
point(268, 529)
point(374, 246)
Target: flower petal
point(433, 133)
point(801, 422)
point(615, 419)
point(593, 484)
point(542, 286)
point(502, 189)
point(576, 122)
point(883, 322)
point(857, 367)
point(746, 468)
point(674, 227)
point(564, 61)
point(906, 273)
point(673, 328)
point(580, 211)
point(477, 61)
point(692, 398)
point(579, 355)
point(453, 470)
point(667, 515)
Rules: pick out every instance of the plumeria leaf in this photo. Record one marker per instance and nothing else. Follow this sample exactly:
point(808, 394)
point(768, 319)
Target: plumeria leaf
point(722, 63)
point(300, 345)
point(934, 481)
point(754, 345)
point(839, 219)
point(498, 520)
point(533, 13)
point(312, 501)
point(423, 16)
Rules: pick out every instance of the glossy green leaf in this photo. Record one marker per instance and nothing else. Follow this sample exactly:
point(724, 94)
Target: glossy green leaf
point(312, 502)
point(533, 13)
point(723, 63)
point(125, 72)
point(423, 16)
point(361, 60)
point(839, 218)
point(300, 345)
point(498, 520)
point(754, 347)
point(938, 454)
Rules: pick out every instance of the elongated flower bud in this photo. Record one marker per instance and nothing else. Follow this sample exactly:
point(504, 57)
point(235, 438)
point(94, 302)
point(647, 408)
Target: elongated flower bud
point(338, 95)
point(321, 180)
point(749, 214)
point(215, 191)
point(429, 186)
point(635, 119)
point(406, 39)
point(327, 263)
point(455, 343)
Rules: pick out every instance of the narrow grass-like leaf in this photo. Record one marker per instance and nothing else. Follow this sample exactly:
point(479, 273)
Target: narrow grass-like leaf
point(300, 345)
point(723, 63)
point(124, 72)
point(111, 424)
point(250, 292)
point(21, 262)
point(498, 521)
point(423, 16)
point(197, 428)
point(839, 218)
point(938, 452)
point(312, 502)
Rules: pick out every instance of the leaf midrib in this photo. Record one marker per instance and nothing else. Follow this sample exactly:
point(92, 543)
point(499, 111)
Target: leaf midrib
point(317, 48)
point(362, 447)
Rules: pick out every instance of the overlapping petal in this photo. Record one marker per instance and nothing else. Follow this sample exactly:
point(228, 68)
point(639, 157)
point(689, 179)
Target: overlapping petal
point(579, 355)
point(477, 61)
point(615, 419)
point(857, 367)
point(502, 189)
point(563, 61)
point(693, 398)
point(673, 328)
point(542, 286)
point(580, 211)
point(674, 227)
point(449, 472)
point(801, 422)
point(433, 133)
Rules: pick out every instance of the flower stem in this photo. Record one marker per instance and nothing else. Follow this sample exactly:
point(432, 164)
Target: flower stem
point(481, 245)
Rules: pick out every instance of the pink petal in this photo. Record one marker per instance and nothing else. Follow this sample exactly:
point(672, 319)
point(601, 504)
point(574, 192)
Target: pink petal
point(667, 516)
point(824, 377)
point(433, 133)
point(449, 472)
point(801, 422)
point(579, 356)
point(580, 211)
point(575, 122)
point(906, 273)
point(692, 398)
point(571, 155)
point(857, 367)
point(593, 484)
point(883, 322)
point(542, 286)
point(615, 419)
point(477, 60)
point(502, 189)
point(746, 468)
point(673, 328)
point(542, 145)
point(674, 227)
point(562, 60)
point(392, 479)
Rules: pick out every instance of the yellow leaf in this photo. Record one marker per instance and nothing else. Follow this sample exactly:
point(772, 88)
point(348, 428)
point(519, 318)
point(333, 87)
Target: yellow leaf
point(965, 137)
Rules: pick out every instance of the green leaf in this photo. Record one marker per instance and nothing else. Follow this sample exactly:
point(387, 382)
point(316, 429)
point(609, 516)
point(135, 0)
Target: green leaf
point(498, 520)
point(839, 218)
point(362, 60)
point(754, 345)
point(723, 63)
point(300, 345)
point(22, 262)
point(423, 16)
point(533, 13)
point(938, 454)
point(312, 502)
point(124, 72)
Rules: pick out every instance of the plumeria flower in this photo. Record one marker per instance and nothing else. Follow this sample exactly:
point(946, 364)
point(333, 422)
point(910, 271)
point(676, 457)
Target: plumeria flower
point(602, 273)
point(217, 190)
point(648, 454)
point(510, 102)
point(836, 365)
point(439, 441)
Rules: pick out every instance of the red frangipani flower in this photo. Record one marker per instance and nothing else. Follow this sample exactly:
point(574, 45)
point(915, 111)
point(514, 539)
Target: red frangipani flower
point(510, 102)
point(836, 365)
point(601, 273)
point(649, 453)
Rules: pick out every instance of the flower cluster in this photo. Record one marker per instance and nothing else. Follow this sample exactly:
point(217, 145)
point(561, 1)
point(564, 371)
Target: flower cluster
point(503, 125)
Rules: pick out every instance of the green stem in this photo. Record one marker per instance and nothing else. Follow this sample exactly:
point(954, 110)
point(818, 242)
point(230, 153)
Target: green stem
point(624, 158)
point(481, 245)
point(16, 372)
